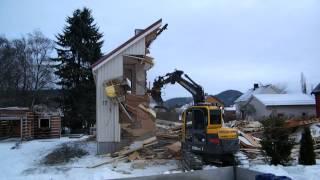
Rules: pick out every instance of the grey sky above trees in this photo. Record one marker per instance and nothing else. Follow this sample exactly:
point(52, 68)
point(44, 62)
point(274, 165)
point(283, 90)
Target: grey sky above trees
point(221, 44)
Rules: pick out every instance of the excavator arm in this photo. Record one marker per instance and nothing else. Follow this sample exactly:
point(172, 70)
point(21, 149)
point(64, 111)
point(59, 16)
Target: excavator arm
point(176, 77)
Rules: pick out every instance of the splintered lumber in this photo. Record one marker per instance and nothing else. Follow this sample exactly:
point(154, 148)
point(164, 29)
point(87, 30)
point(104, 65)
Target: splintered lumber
point(177, 128)
point(295, 123)
point(148, 110)
point(137, 145)
point(174, 148)
point(168, 136)
point(149, 140)
point(125, 112)
point(135, 155)
point(129, 150)
point(248, 140)
point(107, 162)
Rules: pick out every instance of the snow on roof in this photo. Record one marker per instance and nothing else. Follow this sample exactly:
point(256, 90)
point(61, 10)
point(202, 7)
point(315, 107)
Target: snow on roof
point(267, 89)
point(285, 99)
point(245, 96)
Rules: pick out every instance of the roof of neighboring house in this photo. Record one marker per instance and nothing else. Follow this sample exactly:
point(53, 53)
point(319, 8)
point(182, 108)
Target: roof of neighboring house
point(260, 90)
point(216, 98)
point(285, 99)
point(126, 44)
point(316, 90)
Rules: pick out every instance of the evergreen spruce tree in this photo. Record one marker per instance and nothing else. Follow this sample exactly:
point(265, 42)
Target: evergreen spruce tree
point(79, 46)
point(306, 154)
point(276, 141)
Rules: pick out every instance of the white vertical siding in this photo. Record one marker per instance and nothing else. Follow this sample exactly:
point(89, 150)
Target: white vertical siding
point(108, 127)
point(136, 49)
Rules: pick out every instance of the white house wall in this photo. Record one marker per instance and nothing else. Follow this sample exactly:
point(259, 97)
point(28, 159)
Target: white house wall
point(262, 111)
point(293, 111)
point(108, 127)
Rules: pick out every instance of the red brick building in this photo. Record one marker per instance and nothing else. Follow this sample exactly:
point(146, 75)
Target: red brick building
point(316, 92)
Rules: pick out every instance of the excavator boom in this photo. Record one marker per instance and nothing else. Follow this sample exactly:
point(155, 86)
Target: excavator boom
point(176, 77)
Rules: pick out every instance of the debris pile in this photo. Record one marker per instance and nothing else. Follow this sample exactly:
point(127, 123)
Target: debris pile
point(246, 126)
point(249, 131)
point(168, 130)
point(135, 116)
point(292, 123)
point(142, 150)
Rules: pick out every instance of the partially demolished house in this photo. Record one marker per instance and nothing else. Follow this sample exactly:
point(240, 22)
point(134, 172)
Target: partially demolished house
point(21, 122)
point(122, 111)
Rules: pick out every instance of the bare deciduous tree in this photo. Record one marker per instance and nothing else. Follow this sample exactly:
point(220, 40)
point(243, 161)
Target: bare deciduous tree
point(40, 48)
point(25, 68)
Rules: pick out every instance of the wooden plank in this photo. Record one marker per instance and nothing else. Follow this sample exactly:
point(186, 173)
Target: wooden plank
point(174, 147)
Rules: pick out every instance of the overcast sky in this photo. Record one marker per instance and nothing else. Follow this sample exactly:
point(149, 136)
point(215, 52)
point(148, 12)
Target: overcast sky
point(220, 44)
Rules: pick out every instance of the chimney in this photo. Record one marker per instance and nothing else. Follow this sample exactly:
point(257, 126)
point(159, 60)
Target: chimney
point(255, 86)
point(137, 31)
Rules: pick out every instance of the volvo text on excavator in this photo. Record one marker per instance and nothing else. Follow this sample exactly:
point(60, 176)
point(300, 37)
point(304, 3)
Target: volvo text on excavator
point(204, 137)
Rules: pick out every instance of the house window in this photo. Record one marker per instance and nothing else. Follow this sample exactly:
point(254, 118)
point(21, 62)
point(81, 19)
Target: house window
point(44, 123)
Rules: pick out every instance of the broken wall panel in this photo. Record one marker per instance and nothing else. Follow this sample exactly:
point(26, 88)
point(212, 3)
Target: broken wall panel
point(143, 121)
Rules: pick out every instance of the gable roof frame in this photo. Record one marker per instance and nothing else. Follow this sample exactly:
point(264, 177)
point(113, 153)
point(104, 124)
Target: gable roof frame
point(153, 27)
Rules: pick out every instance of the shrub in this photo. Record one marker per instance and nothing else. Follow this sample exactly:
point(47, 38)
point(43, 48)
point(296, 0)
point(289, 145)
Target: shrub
point(64, 153)
point(275, 141)
point(306, 154)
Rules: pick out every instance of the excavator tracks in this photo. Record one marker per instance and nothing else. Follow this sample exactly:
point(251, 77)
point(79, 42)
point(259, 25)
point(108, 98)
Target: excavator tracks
point(191, 161)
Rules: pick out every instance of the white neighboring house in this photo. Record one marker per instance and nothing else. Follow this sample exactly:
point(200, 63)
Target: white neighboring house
point(244, 98)
point(281, 105)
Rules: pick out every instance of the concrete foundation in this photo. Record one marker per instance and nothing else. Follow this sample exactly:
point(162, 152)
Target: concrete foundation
point(110, 147)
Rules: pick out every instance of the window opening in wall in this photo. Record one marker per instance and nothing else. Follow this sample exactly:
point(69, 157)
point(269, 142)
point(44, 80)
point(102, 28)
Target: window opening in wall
point(44, 123)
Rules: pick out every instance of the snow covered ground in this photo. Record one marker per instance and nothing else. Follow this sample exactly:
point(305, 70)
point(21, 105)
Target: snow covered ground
point(296, 172)
point(24, 163)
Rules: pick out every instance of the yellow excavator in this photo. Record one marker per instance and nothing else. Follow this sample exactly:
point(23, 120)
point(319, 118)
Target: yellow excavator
point(204, 137)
